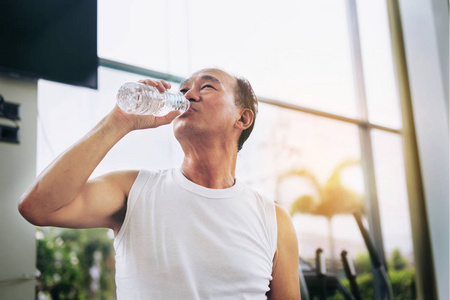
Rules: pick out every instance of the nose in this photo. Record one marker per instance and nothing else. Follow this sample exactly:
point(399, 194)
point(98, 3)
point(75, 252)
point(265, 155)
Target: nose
point(192, 96)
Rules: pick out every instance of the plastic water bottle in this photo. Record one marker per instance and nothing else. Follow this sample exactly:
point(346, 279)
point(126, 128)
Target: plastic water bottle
point(141, 99)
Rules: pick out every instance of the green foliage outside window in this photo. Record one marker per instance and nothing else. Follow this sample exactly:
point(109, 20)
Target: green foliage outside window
point(403, 285)
point(401, 277)
point(75, 264)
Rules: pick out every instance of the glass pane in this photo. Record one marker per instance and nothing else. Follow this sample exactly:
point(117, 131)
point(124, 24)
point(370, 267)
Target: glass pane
point(315, 148)
point(148, 34)
point(295, 51)
point(381, 89)
point(394, 209)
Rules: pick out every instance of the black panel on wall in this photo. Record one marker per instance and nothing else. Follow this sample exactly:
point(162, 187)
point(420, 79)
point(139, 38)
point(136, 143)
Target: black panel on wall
point(51, 39)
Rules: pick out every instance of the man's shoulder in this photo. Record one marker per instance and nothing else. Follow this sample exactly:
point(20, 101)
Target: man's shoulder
point(145, 173)
point(123, 177)
point(149, 178)
point(126, 179)
point(257, 194)
point(250, 189)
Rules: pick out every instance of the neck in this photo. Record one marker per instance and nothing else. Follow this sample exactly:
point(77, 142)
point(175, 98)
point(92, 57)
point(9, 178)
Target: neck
point(210, 166)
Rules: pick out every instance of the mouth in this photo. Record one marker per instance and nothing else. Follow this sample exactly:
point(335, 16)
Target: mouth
point(191, 108)
point(187, 112)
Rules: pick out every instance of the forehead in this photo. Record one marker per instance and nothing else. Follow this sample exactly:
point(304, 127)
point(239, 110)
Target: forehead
point(214, 75)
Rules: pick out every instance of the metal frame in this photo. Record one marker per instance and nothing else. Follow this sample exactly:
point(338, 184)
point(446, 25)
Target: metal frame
point(426, 285)
point(111, 64)
point(368, 165)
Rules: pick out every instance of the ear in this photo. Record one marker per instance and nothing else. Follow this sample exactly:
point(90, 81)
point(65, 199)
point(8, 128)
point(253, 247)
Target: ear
point(246, 119)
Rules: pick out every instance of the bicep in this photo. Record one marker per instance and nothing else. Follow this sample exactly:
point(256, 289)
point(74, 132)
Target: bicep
point(100, 203)
point(285, 280)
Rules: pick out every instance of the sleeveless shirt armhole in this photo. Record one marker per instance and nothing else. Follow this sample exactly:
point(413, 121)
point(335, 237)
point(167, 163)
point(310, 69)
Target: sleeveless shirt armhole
point(135, 192)
point(272, 219)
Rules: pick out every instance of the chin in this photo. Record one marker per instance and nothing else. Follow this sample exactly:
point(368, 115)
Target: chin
point(182, 128)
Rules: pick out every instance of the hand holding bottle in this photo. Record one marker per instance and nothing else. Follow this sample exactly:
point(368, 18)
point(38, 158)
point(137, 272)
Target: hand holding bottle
point(135, 110)
point(144, 99)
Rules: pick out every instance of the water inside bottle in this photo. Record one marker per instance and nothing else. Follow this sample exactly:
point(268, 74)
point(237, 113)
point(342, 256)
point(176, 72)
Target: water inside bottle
point(137, 98)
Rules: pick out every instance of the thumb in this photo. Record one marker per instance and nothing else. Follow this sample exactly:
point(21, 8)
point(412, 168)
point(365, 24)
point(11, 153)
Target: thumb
point(167, 119)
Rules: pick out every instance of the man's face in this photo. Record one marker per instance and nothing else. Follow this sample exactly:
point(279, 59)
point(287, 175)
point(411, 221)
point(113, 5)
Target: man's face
point(213, 111)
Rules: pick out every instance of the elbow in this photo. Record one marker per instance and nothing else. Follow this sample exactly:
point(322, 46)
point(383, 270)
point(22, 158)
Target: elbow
point(27, 208)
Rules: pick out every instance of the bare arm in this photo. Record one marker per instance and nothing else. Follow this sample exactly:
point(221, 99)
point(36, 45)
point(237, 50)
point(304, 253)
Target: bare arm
point(285, 281)
point(63, 196)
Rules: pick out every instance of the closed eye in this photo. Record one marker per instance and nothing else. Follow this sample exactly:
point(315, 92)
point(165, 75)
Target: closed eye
point(185, 90)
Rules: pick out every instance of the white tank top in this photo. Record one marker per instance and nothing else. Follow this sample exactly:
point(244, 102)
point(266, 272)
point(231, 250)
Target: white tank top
point(180, 240)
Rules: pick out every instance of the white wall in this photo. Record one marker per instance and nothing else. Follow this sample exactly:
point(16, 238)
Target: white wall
point(440, 12)
point(17, 170)
point(424, 31)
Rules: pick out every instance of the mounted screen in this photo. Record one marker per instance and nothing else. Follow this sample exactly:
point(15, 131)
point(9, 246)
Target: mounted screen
point(50, 39)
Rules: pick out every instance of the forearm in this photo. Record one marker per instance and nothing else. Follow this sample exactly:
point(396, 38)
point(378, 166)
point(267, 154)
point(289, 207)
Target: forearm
point(65, 177)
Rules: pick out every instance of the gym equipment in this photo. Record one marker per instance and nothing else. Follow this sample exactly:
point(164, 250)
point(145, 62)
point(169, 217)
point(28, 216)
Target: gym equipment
point(321, 284)
point(351, 275)
point(382, 286)
point(316, 282)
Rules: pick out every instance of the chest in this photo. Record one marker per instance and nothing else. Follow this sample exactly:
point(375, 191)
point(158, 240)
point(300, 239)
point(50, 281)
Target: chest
point(217, 238)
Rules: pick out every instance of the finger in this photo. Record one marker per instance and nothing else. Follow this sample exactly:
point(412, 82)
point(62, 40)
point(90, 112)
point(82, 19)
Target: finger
point(167, 119)
point(155, 83)
point(165, 84)
point(161, 88)
point(147, 82)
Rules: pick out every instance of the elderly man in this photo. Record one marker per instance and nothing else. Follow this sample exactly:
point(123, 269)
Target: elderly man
point(194, 232)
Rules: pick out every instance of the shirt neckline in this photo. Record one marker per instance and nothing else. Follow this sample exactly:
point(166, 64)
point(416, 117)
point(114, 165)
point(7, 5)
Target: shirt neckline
point(204, 191)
